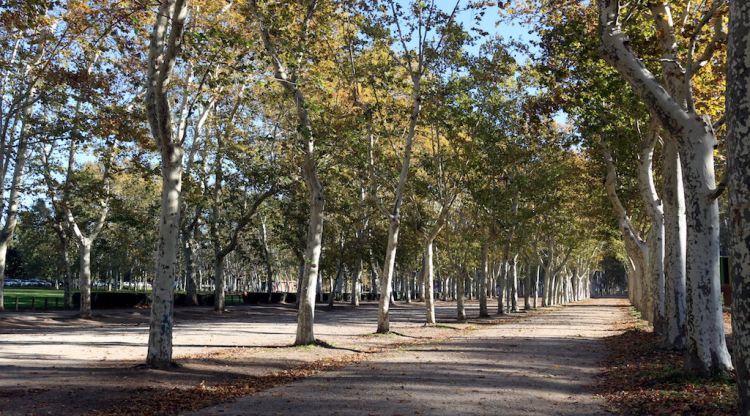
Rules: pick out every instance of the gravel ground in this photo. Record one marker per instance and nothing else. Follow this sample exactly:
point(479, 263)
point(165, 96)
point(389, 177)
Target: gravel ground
point(542, 364)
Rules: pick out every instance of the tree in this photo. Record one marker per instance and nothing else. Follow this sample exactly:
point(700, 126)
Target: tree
point(425, 20)
point(289, 78)
point(165, 42)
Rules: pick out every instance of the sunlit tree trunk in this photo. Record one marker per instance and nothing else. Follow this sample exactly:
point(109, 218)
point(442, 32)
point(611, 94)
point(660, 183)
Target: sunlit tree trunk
point(429, 284)
point(165, 42)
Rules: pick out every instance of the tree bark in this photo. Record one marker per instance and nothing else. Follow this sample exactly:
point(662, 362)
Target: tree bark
point(460, 296)
point(513, 282)
point(738, 172)
point(429, 284)
point(84, 276)
point(219, 284)
point(527, 288)
point(675, 242)
point(483, 272)
point(655, 238)
point(166, 38)
point(11, 215)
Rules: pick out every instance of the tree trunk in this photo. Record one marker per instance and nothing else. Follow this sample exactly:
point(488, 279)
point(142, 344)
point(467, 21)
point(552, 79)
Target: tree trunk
point(219, 285)
point(167, 265)
point(738, 173)
point(300, 276)
point(386, 282)
point(483, 271)
point(84, 276)
point(67, 275)
point(306, 313)
point(675, 241)
point(527, 289)
point(429, 284)
point(655, 239)
point(460, 295)
point(191, 289)
point(513, 283)
point(11, 215)
point(706, 347)
point(356, 279)
point(536, 283)
point(501, 288)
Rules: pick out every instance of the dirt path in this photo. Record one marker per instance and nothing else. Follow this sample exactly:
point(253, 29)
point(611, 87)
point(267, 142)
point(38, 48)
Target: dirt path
point(542, 365)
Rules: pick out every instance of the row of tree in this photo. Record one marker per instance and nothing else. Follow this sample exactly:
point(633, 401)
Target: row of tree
point(420, 140)
point(657, 92)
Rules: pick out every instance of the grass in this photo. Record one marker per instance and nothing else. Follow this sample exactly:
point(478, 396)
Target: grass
point(25, 296)
point(54, 298)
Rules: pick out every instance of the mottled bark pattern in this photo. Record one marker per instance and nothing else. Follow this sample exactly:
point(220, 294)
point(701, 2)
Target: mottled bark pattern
point(738, 171)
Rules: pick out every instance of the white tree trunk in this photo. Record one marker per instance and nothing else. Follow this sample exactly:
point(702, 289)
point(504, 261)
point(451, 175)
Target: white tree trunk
point(429, 285)
point(306, 313)
point(166, 38)
point(675, 242)
point(84, 276)
point(11, 214)
point(167, 265)
point(706, 345)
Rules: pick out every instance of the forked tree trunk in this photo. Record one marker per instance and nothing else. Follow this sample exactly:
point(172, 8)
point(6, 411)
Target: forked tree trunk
point(738, 171)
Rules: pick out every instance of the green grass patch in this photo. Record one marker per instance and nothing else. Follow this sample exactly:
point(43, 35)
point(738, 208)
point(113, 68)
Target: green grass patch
point(28, 298)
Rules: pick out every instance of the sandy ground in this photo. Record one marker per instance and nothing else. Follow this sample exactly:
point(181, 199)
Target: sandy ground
point(55, 363)
point(542, 365)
